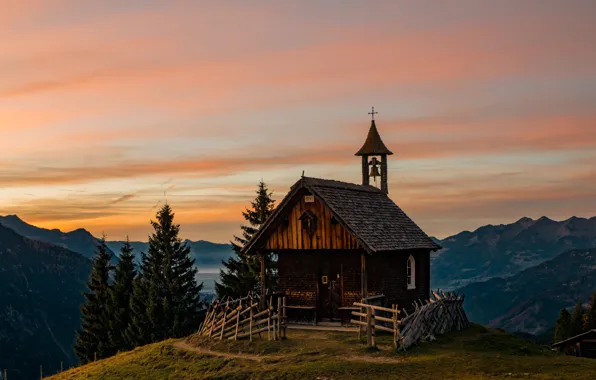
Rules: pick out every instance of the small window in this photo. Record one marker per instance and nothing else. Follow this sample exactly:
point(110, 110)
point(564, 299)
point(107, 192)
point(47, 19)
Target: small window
point(411, 273)
point(309, 222)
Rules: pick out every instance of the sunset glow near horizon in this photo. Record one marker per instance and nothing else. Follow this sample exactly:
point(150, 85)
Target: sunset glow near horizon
point(109, 108)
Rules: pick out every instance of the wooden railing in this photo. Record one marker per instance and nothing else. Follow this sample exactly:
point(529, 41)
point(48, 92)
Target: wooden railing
point(441, 313)
point(373, 320)
point(241, 318)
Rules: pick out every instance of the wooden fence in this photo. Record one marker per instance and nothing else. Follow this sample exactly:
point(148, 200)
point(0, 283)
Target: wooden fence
point(371, 319)
point(242, 318)
point(441, 313)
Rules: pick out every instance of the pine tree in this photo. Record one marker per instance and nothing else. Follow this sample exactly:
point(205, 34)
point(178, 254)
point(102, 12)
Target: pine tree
point(138, 332)
point(577, 319)
point(93, 337)
point(120, 296)
point(242, 272)
point(562, 326)
point(165, 300)
point(182, 301)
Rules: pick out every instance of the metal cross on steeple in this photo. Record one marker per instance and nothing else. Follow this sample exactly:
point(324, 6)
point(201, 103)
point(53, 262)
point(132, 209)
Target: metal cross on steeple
point(373, 113)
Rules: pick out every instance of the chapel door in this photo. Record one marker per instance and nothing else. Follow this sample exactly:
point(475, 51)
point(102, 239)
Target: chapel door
point(330, 286)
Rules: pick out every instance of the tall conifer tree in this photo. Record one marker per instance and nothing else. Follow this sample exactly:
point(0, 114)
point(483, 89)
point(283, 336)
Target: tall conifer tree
point(242, 272)
point(562, 326)
point(138, 332)
point(165, 299)
point(93, 337)
point(120, 296)
point(577, 320)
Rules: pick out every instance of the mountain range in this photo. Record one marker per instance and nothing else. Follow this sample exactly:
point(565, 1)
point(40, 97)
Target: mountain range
point(506, 249)
point(531, 300)
point(41, 289)
point(79, 240)
point(208, 256)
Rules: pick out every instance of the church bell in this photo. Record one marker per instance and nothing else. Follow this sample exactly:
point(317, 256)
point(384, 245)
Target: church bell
point(374, 168)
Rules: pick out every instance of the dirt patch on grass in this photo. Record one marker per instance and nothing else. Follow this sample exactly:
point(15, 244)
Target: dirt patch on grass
point(182, 345)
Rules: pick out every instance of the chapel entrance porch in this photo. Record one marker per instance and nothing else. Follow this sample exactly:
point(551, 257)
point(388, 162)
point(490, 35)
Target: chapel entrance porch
point(319, 282)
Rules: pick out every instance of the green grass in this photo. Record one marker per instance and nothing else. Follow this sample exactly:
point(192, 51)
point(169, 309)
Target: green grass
point(477, 353)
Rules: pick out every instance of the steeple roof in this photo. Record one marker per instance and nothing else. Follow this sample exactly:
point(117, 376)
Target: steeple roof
point(373, 144)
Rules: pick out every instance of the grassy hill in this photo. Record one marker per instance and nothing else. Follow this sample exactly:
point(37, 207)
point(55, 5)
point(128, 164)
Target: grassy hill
point(472, 354)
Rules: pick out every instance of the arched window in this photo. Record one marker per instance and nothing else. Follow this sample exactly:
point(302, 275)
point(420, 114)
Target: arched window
point(411, 273)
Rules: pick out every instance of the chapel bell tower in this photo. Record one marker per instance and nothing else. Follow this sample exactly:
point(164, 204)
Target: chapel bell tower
point(374, 154)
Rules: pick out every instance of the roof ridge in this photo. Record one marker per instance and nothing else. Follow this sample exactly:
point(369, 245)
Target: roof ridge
point(332, 183)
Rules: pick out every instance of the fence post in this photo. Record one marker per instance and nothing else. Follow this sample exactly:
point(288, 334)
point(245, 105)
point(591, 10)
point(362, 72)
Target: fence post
point(279, 320)
point(250, 325)
point(360, 325)
point(285, 322)
point(368, 327)
point(394, 307)
point(40, 373)
point(237, 324)
point(374, 330)
point(269, 319)
point(5, 374)
point(268, 323)
point(223, 325)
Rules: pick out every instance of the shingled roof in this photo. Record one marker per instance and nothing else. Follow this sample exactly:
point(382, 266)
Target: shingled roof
point(366, 212)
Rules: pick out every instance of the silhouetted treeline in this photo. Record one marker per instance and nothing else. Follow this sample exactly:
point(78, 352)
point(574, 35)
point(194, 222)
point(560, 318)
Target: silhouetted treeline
point(578, 321)
point(161, 301)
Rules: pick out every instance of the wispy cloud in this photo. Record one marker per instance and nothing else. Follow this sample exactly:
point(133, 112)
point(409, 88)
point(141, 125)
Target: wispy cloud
point(123, 198)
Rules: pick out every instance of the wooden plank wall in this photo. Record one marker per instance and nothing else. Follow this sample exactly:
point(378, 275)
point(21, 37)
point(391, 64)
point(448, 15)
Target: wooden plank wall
point(327, 235)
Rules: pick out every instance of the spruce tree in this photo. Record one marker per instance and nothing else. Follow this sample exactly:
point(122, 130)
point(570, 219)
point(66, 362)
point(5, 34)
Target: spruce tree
point(577, 319)
point(562, 326)
point(182, 301)
point(165, 300)
point(241, 272)
point(138, 332)
point(93, 337)
point(120, 296)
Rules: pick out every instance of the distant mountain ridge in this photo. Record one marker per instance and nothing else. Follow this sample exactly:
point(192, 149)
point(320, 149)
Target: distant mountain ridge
point(79, 240)
point(41, 288)
point(531, 300)
point(504, 250)
point(207, 255)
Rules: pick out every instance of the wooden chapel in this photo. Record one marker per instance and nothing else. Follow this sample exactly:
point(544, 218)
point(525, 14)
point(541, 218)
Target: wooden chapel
point(338, 243)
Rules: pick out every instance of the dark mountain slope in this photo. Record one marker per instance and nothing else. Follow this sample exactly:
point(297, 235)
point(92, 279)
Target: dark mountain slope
point(531, 300)
point(80, 240)
point(504, 250)
point(40, 294)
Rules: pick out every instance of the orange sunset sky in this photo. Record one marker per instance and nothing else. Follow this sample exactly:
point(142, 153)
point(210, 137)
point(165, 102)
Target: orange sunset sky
point(489, 107)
